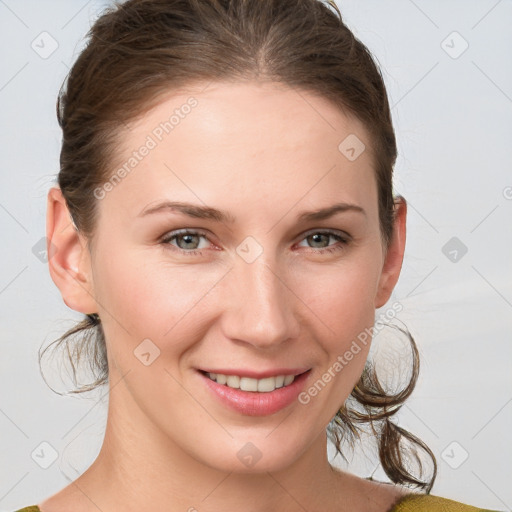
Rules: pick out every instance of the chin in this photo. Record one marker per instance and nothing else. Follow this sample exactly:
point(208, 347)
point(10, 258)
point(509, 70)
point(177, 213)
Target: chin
point(257, 454)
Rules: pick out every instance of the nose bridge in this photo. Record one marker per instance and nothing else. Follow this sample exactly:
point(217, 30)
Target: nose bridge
point(262, 306)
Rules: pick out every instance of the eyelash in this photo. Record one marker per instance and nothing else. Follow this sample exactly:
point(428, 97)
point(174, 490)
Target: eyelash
point(345, 240)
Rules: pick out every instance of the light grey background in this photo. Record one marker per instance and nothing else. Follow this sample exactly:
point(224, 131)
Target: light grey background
point(452, 111)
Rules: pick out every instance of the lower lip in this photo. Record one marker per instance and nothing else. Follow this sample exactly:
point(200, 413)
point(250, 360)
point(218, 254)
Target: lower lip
point(252, 403)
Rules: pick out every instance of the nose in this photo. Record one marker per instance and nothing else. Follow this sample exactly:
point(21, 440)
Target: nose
point(261, 307)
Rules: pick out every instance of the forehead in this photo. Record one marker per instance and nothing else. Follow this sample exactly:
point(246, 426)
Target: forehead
point(243, 143)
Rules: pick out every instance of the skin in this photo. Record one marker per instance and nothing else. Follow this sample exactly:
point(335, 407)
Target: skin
point(264, 153)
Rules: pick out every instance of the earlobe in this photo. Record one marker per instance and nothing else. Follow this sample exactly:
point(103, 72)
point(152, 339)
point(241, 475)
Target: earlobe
point(394, 256)
point(68, 256)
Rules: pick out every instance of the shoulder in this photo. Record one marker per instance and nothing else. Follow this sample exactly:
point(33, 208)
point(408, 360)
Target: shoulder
point(429, 503)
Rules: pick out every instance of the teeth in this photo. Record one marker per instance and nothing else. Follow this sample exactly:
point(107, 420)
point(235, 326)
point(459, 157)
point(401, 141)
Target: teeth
point(233, 381)
point(247, 384)
point(221, 379)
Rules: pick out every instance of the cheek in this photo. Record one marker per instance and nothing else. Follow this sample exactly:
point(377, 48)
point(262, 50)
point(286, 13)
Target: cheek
point(343, 302)
point(144, 298)
point(342, 298)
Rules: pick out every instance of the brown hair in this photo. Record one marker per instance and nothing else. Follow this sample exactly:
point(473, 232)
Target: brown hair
point(140, 49)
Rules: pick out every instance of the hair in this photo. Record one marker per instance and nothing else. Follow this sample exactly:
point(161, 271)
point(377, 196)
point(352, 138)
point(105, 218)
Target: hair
point(138, 50)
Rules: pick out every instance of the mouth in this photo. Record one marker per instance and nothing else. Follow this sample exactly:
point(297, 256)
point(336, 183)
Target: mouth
point(254, 396)
point(265, 385)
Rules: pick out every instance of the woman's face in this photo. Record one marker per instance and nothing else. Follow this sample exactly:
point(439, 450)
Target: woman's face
point(272, 278)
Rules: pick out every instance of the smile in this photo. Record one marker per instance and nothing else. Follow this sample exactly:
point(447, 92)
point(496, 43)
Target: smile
point(252, 396)
point(265, 385)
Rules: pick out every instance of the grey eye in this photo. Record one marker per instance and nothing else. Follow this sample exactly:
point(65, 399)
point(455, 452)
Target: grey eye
point(189, 241)
point(319, 240)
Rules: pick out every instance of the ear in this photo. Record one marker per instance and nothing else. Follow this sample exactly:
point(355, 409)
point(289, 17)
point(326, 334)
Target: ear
point(394, 256)
point(68, 256)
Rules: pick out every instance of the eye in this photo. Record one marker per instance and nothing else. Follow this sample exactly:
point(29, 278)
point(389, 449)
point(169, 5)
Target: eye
point(186, 241)
point(320, 240)
point(190, 242)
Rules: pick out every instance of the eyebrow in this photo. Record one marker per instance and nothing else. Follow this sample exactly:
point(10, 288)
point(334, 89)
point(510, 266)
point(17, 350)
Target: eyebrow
point(206, 212)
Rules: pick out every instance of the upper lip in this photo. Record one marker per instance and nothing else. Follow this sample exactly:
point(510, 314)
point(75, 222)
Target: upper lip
point(253, 374)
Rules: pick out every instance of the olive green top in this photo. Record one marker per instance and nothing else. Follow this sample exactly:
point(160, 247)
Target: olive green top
point(429, 503)
point(407, 503)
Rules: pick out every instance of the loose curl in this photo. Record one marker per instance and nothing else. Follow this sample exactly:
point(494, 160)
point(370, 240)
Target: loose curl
point(139, 50)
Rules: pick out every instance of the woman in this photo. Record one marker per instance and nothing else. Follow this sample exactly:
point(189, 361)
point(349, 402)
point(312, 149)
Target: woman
point(225, 219)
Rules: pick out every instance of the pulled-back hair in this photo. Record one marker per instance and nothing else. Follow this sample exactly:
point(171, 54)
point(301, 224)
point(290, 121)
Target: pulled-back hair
point(139, 50)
